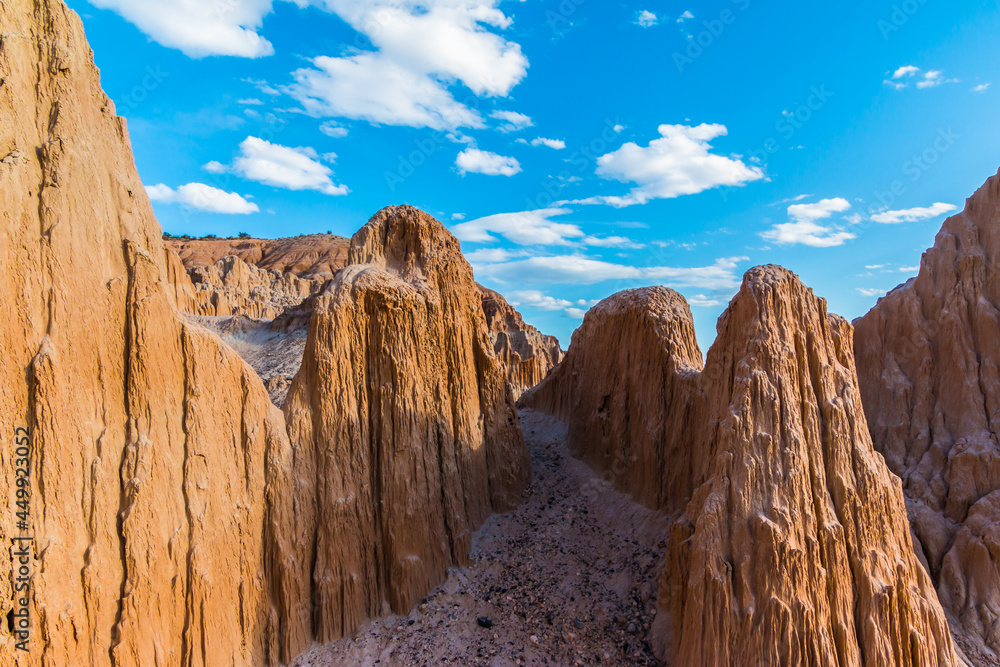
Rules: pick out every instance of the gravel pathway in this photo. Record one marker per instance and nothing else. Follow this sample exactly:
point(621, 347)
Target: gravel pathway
point(569, 578)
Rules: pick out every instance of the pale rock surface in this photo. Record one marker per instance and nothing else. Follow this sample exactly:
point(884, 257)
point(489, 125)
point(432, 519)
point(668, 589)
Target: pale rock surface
point(406, 434)
point(527, 354)
point(794, 548)
point(928, 358)
point(160, 468)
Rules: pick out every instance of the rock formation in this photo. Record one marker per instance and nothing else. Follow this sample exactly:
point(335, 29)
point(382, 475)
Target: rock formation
point(406, 429)
point(160, 468)
point(627, 390)
point(794, 547)
point(315, 257)
point(928, 358)
point(233, 287)
point(175, 523)
point(527, 354)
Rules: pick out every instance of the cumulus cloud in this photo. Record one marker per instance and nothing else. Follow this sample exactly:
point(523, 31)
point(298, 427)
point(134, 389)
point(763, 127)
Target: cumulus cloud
point(536, 227)
point(902, 77)
point(702, 301)
point(981, 88)
point(871, 292)
point(283, 167)
point(332, 129)
point(483, 162)
point(421, 46)
point(805, 228)
point(556, 144)
point(512, 121)
point(686, 16)
point(582, 270)
point(913, 214)
point(199, 29)
point(202, 198)
point(371, 87)
point(646, 19)
point(536, 299)
point(679, 163)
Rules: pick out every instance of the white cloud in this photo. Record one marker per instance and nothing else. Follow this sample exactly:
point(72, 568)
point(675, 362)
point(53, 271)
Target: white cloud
point(909, 269)
point(679, 163)
point(556, 144)
point(536, 227)
point(905, 71)
point(576, 313)
point(913, 214)
point(493, 255)
point(283, 167)
point(901, 78)
point(981, 88)
point(199, 29)
point(483, 162)
point(646, 19)
point(250, 102)
point(371, 87)
point(332, 129)
point(536, 299)
point(422, 46)
point(215, 167)
point(871, 292)
point(512, 121)
point(805, 228)
point(702, 301)
point(203, 198)
point(686, 16)
point(581, 270)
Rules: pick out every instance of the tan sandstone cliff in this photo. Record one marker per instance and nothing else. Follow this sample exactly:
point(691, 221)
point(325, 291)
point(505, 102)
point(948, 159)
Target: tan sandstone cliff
point(527, 354)
point(408, 436)
point(794, 548)
point(160, 466)
point(928, 358)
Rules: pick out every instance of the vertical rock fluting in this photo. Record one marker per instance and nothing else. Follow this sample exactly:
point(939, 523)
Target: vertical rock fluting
point(527, 354)
point(791, 545)
point(795, 549)
point(159, 466)
point(406, 435)
point(928, 358)
point(628, 389)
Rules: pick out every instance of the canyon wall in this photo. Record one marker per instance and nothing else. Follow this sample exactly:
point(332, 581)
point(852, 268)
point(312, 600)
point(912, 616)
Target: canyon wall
point(408, 438)
point(527, 354)
point(928, 358)
point(791, 544)
point(628, 389)
point(159, 467)
point(315, 256)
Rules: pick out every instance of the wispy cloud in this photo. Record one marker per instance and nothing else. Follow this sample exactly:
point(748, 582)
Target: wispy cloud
point(913, 214)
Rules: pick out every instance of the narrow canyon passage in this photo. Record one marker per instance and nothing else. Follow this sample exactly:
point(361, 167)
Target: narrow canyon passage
point(570, 577)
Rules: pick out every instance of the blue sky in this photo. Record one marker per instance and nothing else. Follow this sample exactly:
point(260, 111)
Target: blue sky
point(576, 147)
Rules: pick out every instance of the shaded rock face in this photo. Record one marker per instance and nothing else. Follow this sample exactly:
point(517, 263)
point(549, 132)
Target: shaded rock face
point(314, 257)
point(792, 546)
point(233, 287)
point(627, 390)
point(928, 358)
point(407, 436)
point(159, 465)
point(527, 354)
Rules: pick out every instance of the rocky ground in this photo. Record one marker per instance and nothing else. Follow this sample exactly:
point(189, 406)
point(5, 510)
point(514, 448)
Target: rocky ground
point(569, 578)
